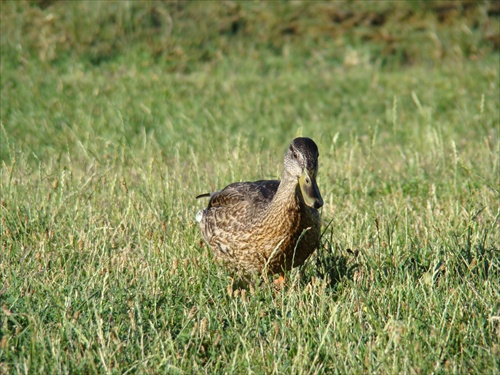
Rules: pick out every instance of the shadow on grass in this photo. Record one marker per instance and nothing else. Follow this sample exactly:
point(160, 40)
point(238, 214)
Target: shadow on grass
point(333, 264)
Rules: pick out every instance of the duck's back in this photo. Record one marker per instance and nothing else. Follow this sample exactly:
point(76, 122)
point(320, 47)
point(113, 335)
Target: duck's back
point(256, 194)
point(238, 203)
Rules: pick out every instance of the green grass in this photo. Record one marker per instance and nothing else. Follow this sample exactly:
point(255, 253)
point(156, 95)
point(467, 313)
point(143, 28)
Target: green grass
point(110, 126)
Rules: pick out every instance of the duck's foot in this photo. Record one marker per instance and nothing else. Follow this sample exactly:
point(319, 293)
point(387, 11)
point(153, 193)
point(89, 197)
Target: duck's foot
point(279, 283)
point(241, 282)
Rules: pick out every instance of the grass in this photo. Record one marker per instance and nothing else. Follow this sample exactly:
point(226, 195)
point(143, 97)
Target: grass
point(108, 135)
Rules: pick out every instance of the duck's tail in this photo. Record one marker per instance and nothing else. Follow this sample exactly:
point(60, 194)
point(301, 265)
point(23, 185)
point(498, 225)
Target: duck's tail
point(203, 195)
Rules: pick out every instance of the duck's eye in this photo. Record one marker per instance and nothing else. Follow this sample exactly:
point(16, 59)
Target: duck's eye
point(295, 154)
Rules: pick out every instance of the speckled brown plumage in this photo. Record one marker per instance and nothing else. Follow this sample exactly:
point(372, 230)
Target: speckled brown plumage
point(267, 226)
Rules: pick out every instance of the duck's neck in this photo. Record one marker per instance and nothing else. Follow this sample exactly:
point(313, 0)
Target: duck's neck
point(286, 196)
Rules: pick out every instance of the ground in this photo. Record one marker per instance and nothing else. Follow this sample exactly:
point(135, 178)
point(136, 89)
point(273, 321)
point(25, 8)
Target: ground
point(116, 115)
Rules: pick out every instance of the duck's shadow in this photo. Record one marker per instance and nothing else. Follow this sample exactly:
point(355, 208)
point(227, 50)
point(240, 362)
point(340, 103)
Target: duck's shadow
point(332, 264)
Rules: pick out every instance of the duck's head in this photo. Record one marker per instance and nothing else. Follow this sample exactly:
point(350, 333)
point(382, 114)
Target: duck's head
point(301, 162)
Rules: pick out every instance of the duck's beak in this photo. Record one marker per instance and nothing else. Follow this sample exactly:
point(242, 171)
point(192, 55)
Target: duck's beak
point(310, 190)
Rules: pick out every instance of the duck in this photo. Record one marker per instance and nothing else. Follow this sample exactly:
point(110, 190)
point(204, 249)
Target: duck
point(267, 227)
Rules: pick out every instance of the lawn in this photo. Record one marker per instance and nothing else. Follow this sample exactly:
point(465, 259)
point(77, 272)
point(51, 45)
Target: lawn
point(116, 115)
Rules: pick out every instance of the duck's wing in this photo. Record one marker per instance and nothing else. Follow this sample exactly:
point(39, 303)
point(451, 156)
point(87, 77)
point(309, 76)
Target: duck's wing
point(255, 194)
point(239, 203)
point(233, 226)
point(228, 222)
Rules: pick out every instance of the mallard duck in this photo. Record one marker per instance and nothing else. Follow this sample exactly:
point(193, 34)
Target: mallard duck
point(267, 226)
